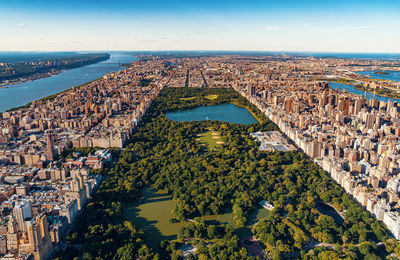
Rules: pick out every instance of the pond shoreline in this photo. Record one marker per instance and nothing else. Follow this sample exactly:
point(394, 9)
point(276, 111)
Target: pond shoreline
point(227, 112)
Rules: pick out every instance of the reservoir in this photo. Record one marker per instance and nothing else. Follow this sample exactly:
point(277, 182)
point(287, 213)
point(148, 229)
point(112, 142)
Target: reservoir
point(153, 212)
point(23, 93)
point(389, 75)
point(351, 89)
point(224, 112)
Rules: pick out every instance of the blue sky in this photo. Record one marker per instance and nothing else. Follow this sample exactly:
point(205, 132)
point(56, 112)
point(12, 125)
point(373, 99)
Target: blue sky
point(284, 25)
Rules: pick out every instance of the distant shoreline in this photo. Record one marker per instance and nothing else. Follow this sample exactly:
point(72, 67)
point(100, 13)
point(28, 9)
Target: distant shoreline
point(48, 72)
point(49, 97)
point(381, 72)
point(32, 78)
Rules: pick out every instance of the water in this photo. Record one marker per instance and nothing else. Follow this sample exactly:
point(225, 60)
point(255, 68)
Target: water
point(353, 55)
point(152, 216)
point(351, 89)
point(341, 55)
point(23, 93)
point(225, 112)
point(392, 75)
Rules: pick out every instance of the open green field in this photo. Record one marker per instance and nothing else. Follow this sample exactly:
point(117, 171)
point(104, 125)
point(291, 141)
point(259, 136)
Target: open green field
point(209, 97)
point(188, 98)
point(210, 139)
point(212, 96)
point(153, 212)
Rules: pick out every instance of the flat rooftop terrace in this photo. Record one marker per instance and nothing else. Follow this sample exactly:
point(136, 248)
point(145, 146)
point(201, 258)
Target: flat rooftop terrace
point(272, 141)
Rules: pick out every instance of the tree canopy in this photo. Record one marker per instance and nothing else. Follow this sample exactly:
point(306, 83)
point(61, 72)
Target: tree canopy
point(236, 175)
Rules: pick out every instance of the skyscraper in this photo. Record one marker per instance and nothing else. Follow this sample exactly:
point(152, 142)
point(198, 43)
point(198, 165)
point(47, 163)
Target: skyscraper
point(22, 212)
point(357, 106)
point(50, 147)
point(39, 241)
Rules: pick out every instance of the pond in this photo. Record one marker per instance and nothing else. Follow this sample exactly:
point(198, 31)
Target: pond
point(153, 212)
point(224, 112)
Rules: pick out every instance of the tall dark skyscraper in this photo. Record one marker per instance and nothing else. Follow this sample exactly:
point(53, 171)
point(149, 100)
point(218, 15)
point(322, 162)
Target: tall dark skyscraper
point(50, 147)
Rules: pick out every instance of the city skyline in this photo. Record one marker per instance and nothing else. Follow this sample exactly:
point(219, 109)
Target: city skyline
point(136, 128)
point(334, 26)
point(199, 130)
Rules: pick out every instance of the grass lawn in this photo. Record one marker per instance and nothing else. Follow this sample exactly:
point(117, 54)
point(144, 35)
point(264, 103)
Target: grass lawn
point(210, 139)
point(188, 98)
point(211, 97)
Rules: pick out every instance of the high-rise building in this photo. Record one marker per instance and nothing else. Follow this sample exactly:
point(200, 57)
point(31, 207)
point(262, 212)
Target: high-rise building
point(251, 89)
point(22, 212)
point(315, 149)
point(37, 240)
point(49, 147)
point(370, 121)
point(12, 234)
point(78, 190)
point(357, 106)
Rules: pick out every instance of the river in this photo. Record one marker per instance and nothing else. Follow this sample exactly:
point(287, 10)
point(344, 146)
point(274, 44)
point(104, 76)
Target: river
point(351, 89)
point(391, 75)
point(23, 93)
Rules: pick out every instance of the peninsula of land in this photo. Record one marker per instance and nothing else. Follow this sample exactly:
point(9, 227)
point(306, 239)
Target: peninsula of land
point(27, 68)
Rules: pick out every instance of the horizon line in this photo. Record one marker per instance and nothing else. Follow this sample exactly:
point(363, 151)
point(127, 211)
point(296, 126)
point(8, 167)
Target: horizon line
point(194, 50)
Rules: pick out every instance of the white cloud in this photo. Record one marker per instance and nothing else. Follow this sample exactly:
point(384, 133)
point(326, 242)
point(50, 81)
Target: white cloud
point(272, 28)
point(21, 24)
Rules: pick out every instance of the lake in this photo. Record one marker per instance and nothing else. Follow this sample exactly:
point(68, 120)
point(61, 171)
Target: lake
point(23, 93)
point(392, 75)
point(153, 212)
point(224, 112)
point(351, 89)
